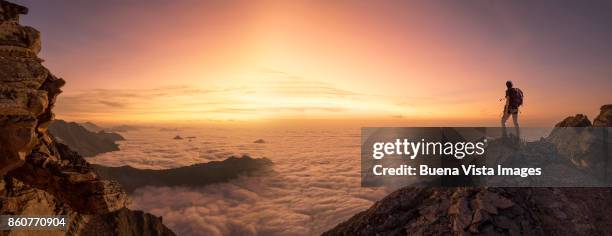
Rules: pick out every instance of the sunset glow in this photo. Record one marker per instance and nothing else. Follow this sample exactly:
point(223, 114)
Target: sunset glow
point(305, 117)
point(262, 60)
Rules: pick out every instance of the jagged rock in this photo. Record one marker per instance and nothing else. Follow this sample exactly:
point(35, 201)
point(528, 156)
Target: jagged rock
point(579, 120)
point(414, 211)
point(604, 119)
point(70, 178)
point(14, 36)
point(22, 97)
point(499, 211)
point(10, 11)
point(16, 140)
point(584, 145)
point(122, 222)
point(39, 176)
point(519, 211)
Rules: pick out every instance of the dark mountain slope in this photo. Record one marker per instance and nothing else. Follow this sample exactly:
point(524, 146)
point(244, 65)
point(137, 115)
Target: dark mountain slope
point(194, 175)
point(83, 141)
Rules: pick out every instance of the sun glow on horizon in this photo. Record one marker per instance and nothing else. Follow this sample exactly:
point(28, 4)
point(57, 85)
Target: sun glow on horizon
point(267, 60)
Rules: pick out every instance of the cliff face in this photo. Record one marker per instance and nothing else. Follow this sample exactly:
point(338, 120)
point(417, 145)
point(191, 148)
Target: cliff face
point(587, 145)
point(504, 211)
point(39, 176)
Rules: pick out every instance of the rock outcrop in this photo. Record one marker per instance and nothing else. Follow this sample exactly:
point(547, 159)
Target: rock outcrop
point(83, 141)
point(485, 211)
point(502, 211)
point(208, 173)
point(39, 176)
point(27, 91)
point(122, 222)
point(586, 146)
point(604, 119)
point(579, 120)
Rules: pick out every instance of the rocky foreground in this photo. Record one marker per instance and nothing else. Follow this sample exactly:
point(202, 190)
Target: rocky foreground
point(505, 211)
point(39, 176)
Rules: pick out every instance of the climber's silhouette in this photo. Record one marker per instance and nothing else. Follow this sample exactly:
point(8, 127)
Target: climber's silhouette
point(514, 99)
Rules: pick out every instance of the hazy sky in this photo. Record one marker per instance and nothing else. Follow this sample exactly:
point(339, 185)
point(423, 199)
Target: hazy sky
point(258, 60)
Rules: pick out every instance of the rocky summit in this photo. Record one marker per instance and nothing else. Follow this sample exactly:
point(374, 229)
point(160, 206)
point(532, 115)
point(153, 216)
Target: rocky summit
point(506, 211)
point(39, 176)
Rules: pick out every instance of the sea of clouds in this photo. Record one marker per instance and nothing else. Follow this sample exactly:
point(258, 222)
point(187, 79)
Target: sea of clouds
point(314, 186)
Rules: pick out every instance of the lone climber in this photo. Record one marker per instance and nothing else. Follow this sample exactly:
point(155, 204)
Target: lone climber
point(514, 99)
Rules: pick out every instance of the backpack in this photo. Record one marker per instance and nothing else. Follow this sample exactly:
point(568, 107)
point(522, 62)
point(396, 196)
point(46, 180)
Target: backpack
point(516, 97)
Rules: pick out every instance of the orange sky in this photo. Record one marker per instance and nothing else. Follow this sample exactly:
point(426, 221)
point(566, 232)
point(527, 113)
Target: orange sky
point(266, 60)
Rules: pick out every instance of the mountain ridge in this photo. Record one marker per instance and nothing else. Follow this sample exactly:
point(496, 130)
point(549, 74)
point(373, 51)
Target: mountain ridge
point(501, 211)
point(84, 141)
point(131, 178)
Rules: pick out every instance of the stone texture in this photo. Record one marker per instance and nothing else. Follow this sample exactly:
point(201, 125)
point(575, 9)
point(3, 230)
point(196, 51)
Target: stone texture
point(586, 146)
point(122, 222)
point(604, 119)
point(485, 211)
point(501, 211)
point(579, 120)
point(39, 176)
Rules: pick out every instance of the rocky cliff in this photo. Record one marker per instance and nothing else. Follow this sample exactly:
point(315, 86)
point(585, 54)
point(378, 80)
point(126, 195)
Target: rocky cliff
point(86, 143)
point(39, 176)
point(504, 211)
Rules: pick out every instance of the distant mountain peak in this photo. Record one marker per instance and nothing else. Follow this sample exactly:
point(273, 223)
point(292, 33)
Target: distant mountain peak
point(87, 143)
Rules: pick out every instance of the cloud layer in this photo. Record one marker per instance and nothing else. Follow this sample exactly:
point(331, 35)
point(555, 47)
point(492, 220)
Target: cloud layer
point(315, 186)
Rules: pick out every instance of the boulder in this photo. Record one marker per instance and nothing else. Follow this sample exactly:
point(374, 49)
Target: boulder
point(579, 120)
point(604, 119)
point(585, 145)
